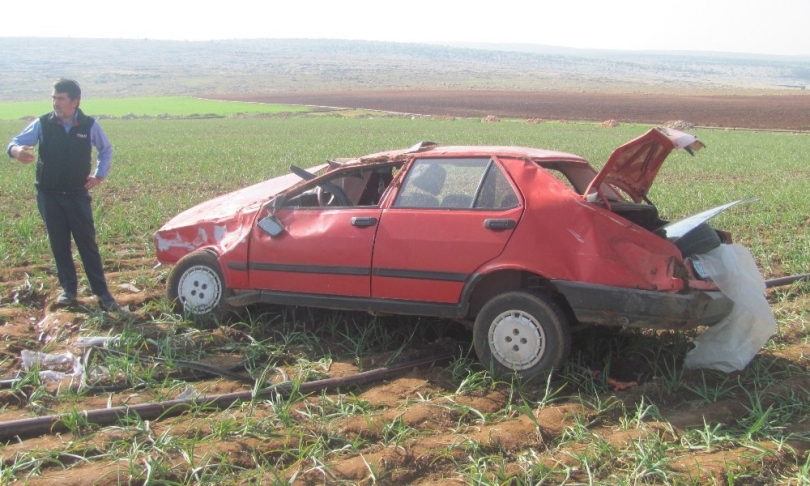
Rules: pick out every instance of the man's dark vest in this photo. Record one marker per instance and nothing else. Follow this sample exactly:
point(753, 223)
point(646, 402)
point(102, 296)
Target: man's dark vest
point(64, 157)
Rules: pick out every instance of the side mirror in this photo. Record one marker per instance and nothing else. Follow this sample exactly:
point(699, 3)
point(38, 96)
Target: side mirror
point(276, 202)
point(271, 225)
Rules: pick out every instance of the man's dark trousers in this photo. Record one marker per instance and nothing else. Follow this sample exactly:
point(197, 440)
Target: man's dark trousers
point(68, 214)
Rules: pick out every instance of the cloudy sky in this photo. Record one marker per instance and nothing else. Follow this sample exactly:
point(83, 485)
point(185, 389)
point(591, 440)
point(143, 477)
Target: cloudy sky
point(745, 26)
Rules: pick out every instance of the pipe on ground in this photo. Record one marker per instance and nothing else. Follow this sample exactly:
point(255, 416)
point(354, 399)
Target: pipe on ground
point(32, 427)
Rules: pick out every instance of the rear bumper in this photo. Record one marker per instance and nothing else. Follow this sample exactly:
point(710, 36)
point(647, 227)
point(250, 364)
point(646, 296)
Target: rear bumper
point(614, 306)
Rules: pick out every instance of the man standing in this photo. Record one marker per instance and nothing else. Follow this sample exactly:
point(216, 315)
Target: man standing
point(66, 139)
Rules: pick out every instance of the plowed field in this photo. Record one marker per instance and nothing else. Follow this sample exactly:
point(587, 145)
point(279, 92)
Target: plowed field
point(788, 112)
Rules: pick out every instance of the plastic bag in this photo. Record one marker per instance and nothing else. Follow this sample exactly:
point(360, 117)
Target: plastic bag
point(53, 367)
point(733, 342)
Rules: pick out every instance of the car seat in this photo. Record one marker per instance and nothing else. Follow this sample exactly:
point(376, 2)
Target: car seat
point(429, 179)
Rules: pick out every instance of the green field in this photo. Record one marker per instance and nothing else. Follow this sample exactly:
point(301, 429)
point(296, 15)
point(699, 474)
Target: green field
point(179, 106)
point(451, 423)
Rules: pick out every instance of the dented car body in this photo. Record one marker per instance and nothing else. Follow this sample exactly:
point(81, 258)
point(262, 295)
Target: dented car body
point(523, 244)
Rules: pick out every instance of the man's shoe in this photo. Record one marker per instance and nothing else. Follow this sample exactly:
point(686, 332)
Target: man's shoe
point(66, 298)
point(107, 302)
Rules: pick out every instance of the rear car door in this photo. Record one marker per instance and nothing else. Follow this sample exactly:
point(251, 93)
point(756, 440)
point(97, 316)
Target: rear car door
point(450, 216)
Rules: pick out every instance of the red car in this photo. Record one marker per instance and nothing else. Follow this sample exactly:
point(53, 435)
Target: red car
point(523, 244)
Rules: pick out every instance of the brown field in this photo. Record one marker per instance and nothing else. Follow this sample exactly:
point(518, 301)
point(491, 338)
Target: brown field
point(495, 430)
point(784, 112)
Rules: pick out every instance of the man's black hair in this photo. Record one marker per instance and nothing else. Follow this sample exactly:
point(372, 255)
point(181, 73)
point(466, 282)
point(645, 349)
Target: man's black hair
point(69, 87)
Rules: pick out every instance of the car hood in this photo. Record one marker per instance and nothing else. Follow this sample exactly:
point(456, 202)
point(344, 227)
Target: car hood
point(633, 166)
point(222, 223)
point(228, 205)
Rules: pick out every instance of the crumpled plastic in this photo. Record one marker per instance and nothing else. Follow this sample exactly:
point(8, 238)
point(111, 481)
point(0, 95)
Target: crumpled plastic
point(53, 367)
point(733, 342)
point(189, 393)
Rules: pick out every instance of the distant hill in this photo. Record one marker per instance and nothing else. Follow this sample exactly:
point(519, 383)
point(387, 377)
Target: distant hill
point(613, 53)
point(124, 67)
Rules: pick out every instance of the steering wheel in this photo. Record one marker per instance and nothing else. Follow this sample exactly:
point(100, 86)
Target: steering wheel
point(329, 194)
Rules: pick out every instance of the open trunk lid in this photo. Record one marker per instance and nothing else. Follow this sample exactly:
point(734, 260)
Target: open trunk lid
point(633, 166)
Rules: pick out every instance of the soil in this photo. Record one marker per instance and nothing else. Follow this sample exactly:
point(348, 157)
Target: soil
point(783, 112)
point(447, 428)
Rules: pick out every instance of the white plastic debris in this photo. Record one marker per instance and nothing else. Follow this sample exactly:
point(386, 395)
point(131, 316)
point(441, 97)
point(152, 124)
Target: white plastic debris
point(53, 367)
point(94, 341)
point(733, 342)
point(188, 394)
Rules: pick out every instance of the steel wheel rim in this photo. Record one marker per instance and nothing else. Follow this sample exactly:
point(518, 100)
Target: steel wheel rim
point(199, 289)
point(517, 340)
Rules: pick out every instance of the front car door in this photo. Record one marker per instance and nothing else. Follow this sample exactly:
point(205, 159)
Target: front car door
point(329, 225)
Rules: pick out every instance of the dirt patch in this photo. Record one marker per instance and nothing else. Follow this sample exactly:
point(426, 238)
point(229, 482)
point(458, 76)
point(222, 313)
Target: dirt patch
point(424, 427)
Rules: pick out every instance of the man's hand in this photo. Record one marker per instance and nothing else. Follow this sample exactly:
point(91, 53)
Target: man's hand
point(23, 153)
point(92, 182)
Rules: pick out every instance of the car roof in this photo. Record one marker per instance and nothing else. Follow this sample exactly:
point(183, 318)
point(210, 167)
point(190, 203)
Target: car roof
point(476, 151)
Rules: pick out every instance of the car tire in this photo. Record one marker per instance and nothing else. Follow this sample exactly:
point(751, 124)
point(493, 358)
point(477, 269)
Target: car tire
point(700, 239)
point(196, 286)
point(521, 332)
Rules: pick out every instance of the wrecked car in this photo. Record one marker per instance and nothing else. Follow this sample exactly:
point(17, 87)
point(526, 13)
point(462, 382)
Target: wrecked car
point(524, 245)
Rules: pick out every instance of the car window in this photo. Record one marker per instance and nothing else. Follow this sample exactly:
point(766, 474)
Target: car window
point(496, 191)
point(457, 183)
point(575, 176)
point(361, 187)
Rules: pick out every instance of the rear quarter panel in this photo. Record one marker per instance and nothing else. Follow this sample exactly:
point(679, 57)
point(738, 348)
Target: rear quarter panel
point(563, 237)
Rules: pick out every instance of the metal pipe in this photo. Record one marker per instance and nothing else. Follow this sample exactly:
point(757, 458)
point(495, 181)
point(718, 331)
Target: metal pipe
point(32, 427)
point(778, 282)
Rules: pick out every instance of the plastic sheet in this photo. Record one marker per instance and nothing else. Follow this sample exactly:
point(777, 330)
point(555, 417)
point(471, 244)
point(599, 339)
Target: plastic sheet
point(733, 342)
point(52, 367)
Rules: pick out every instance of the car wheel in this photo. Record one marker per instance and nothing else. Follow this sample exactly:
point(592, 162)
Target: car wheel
point(700, 239)
point(196, 286)
point(521, 332)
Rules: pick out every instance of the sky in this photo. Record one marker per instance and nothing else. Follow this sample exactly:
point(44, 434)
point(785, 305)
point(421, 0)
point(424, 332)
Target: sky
point(742, 26)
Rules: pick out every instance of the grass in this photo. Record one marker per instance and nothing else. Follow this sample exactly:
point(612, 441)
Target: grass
point(174, 106)
point(581, 431)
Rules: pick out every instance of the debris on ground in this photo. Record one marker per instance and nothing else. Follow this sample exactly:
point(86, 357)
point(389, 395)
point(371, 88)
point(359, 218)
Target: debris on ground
point(679, 125)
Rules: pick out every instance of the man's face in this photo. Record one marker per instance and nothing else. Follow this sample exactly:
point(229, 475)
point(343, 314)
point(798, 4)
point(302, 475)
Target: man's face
point(63, 106)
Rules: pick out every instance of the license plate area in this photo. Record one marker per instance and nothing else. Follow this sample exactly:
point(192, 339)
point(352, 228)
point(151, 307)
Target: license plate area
point(699, 270)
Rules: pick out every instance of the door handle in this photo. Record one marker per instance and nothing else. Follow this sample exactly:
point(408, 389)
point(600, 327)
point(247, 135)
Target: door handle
point(363, 222)
point(499, 224)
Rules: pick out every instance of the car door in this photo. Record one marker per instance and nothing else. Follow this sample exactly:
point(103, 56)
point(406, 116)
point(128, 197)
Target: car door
point(326, 242)
point(450, 216)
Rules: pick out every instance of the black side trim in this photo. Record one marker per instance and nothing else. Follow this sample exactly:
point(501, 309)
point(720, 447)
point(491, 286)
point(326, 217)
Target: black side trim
point(616, 306)
point(348, 303)
point(323, 269)
point(237, 266)
point(419, 274)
